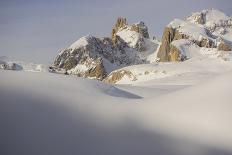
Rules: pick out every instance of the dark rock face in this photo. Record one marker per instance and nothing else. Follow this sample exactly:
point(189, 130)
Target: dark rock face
point(200, 18)
point(140, 28)
point(208, 43)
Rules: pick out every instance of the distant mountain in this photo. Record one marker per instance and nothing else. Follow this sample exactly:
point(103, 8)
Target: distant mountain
point(95, 57)
point(198, 38)
point(7, 64)
point(203, 34)
point(207, 29)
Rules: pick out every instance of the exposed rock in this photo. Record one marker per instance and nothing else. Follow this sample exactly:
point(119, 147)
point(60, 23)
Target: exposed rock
point(98, 71)
point(120, 23)
point(201, 28)
point(94, 57)
point(169, 35)
point(223, 46)
point(205, 42)
point(116, 76)
point(86, 61)
point(167, 38)
point(140, 28)
point(174, 54)
point(121, 27)
point(199, 17)
point(10, 66)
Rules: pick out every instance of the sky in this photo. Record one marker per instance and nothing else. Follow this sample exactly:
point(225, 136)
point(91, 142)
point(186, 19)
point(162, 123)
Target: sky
point(37, 30)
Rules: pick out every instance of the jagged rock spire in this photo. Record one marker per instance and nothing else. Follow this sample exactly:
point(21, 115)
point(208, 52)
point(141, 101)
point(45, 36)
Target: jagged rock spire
point(120, 23)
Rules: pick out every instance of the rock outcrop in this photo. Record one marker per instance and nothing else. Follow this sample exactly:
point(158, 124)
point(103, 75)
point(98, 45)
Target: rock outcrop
point(166, 51)
point(198, 17)
point(10, 66)
point(140, 28)
point(95, 58)
point(224, 46)
point(120, 23)
point(202, 28)
point(85, 59)
point(174, 54)
point(116, 76)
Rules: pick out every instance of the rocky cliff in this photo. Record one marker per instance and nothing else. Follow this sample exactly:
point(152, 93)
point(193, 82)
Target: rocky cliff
point(95, 57)
point(204, 29)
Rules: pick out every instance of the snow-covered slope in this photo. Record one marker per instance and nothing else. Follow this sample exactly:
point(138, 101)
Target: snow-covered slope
point(56, 114)
point(204, 63)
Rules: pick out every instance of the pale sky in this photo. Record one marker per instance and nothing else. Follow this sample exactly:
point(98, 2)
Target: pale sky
point(36, 30)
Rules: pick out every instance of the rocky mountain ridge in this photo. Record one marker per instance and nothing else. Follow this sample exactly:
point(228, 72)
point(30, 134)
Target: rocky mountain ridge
point(208, 28)
point(94, 57)
point(205, 32)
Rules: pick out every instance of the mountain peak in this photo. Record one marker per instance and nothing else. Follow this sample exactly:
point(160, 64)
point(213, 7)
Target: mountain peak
point(209, 17)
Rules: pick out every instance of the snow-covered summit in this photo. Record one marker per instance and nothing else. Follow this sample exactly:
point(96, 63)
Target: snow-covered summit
point(95, 57)
point(203, 37)
point(83, 41)
point(210, 29)
point(210, 18)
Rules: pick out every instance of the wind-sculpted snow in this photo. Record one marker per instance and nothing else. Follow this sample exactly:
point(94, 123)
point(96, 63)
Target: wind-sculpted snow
point(57, 114)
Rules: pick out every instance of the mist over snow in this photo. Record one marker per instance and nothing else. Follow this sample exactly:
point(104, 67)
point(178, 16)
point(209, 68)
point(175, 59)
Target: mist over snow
point(133, 77)
point(54, 114)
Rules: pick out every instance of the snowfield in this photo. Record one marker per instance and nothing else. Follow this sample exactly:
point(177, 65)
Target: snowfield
point(45, 113)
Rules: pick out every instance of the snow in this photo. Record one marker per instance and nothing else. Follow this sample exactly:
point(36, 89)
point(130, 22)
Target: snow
point(175, 23)
point(152, 47)
point(32, 67)
point(185, 47)
point(78, 68)
point(202, 63)
point(228, 35)
point(82, 42)
point(57, 114)
point(216, 22)
point(130, 37)
point(214, 16)
point(195, 31)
